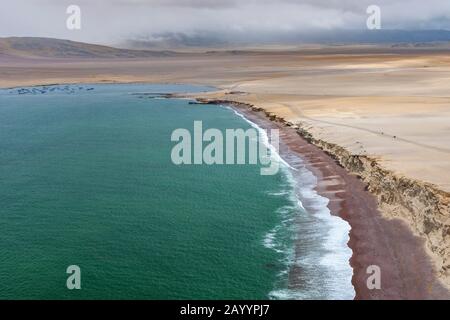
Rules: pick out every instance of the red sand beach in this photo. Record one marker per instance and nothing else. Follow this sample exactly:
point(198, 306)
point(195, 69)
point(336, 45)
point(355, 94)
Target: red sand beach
point(406, 270)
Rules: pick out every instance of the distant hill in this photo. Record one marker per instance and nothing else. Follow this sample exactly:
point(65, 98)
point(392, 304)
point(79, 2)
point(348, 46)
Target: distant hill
point(385, 36)
point(29, 47)
point(41, 48)
point(181, 40)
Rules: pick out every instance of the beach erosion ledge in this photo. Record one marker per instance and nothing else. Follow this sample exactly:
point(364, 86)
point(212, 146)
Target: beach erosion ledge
point(418, 210)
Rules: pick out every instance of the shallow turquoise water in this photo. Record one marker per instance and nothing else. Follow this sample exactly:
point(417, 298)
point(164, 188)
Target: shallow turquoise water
point(86, 179)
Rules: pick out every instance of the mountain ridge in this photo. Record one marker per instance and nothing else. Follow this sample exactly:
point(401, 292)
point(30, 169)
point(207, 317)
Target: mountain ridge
point(37, 47)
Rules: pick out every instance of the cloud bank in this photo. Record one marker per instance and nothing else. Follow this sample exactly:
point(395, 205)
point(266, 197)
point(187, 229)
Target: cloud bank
point(214, 21)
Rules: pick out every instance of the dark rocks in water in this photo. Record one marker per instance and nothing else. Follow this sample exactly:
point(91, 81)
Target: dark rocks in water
point(46, 89)
point(36, 91)
point(155, 95)
point(195, 102)
point(23, 91)
point(236, 93)
point(158, 94)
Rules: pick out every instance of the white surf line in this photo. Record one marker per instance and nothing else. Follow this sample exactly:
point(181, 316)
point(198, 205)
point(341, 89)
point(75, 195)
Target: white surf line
point(337, 259)
point(339, 253)
point(265, 137)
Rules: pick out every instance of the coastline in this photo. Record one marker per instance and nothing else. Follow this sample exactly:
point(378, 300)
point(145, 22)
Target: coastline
point(319, 261)
point(370, 121)
point(407, 270)
point(373, 234)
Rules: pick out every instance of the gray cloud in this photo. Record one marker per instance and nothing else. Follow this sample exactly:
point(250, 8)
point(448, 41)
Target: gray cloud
point(109, 21)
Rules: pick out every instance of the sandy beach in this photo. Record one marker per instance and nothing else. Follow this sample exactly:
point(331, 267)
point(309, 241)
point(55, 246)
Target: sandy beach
point(373, 124)
point(394, 252)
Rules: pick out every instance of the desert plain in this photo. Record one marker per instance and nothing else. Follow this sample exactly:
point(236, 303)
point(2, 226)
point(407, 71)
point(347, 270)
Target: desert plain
point(389, 103)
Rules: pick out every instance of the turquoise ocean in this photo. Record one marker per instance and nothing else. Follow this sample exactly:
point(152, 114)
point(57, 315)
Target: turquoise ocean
point(86, 179)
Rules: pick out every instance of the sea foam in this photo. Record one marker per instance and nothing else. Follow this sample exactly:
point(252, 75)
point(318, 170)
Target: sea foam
point(324, 268)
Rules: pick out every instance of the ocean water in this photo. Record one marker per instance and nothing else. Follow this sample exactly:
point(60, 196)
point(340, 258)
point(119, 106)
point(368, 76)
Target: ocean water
point(86, 179)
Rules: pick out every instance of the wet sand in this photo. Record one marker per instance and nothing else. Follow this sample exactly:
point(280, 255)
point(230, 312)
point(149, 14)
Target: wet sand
point(407, 272)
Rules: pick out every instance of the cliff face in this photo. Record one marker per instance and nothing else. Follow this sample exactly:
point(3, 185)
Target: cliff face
point(425, 208)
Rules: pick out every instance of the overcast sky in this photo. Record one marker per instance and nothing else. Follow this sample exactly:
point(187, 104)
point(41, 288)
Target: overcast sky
point(112, 21)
